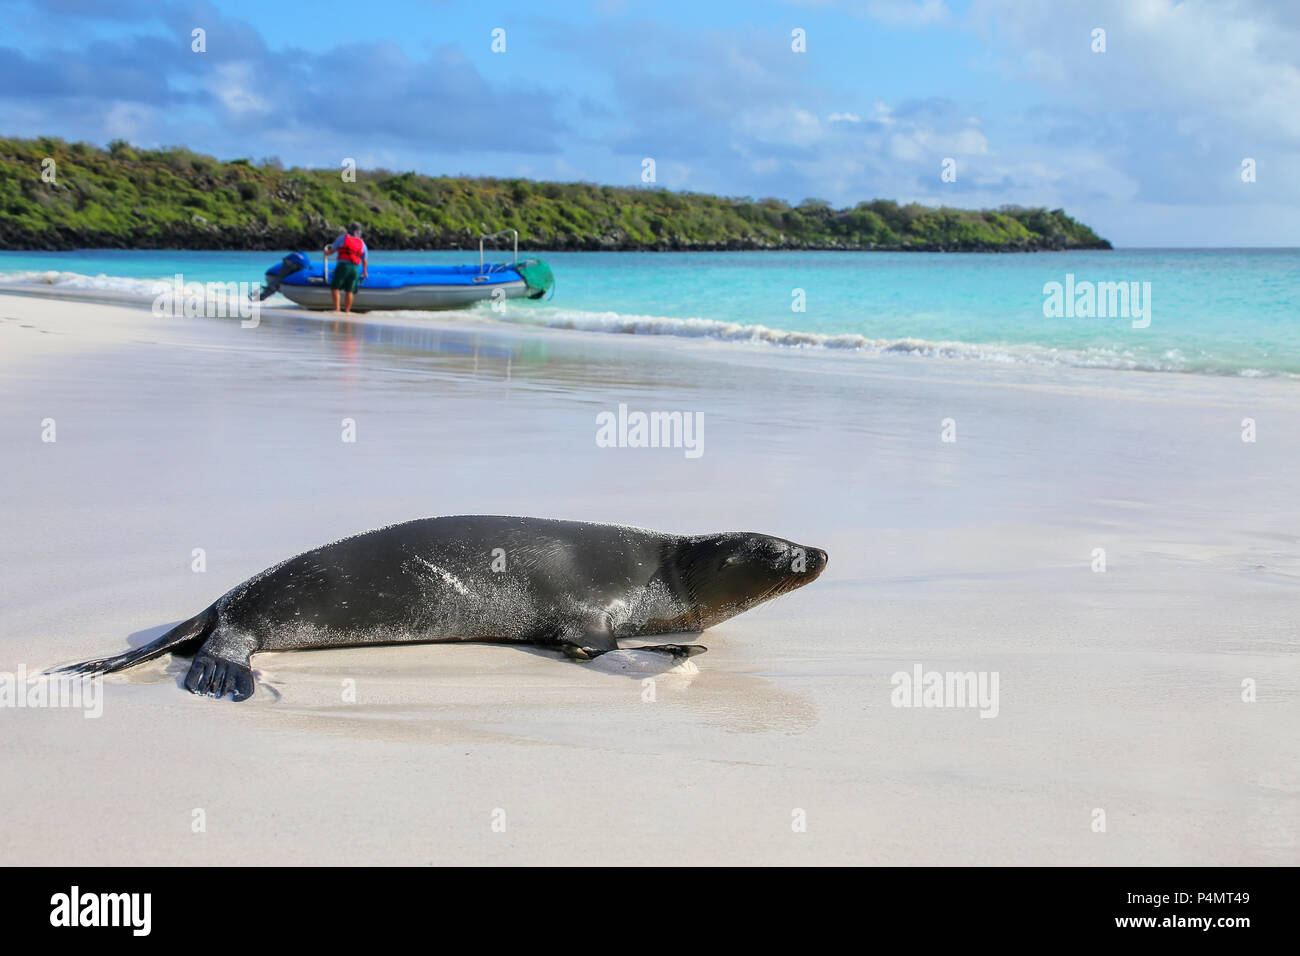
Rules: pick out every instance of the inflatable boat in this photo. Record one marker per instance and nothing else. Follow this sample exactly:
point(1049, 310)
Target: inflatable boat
point(413, 287)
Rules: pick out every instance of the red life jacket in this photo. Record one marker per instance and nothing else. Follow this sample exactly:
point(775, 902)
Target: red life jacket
point(351, 250)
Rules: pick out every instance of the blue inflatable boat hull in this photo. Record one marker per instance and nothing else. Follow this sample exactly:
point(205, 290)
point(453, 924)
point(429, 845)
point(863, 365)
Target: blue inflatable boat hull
point(409, 287)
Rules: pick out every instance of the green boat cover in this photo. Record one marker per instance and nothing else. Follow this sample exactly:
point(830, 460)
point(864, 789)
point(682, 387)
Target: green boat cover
point(537, 276)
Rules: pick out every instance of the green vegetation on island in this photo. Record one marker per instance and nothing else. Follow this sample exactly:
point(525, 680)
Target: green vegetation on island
point(130, 198)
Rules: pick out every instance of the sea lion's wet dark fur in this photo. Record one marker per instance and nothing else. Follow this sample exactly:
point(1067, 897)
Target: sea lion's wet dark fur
point(567, 584)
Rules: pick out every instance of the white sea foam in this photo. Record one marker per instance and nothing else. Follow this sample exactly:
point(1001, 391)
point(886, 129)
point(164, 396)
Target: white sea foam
point(143, 289)
point(77, 281)
point(1023, 354)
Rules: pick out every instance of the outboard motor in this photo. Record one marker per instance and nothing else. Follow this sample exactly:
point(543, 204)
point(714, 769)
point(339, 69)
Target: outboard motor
point(293, 262)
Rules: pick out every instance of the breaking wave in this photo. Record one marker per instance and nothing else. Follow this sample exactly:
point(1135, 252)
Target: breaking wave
point(78, 282)
point(1009, 353)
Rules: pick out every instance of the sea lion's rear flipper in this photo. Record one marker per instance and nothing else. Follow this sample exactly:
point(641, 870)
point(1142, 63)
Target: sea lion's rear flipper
point(679, 652)
point(184, 636)
point(222, 666)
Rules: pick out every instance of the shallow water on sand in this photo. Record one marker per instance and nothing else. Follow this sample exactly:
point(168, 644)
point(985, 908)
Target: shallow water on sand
point(1215, 311)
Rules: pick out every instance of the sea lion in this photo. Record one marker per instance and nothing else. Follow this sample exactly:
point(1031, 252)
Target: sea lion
point(573, 585)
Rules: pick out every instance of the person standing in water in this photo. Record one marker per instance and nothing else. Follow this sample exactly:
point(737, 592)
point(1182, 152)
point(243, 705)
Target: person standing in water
point(352, 266)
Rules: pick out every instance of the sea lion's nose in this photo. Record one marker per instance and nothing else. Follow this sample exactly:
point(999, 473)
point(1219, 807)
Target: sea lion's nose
point(819, 559)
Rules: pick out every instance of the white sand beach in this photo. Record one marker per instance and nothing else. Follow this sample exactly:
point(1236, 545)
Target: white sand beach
point(1119, 691)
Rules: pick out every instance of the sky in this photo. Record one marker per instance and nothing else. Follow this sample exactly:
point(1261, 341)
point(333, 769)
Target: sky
point(1144, 141)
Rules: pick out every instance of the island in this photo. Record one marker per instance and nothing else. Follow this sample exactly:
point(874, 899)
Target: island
point(56, 195)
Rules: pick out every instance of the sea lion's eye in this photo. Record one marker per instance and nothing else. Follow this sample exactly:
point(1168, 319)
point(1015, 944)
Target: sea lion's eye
point(731, 560)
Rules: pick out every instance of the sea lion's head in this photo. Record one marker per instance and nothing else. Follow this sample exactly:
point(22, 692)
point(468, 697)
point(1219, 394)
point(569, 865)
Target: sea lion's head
point(726, 574)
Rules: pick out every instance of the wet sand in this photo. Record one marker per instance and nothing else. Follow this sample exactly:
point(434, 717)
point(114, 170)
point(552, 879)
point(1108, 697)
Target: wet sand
point(1118, 691)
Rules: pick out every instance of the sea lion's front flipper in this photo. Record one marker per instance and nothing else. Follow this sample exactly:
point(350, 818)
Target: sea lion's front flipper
point(222, 666)
point(593, 638)
point(679, 652)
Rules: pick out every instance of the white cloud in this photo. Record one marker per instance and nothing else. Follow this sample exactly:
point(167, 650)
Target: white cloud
point(780, 126)
point(1231, 67)
point(233, 85)
point(907, 13)
point(127, 120)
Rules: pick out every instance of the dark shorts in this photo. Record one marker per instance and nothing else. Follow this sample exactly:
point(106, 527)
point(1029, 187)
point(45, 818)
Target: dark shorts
point(346, 277)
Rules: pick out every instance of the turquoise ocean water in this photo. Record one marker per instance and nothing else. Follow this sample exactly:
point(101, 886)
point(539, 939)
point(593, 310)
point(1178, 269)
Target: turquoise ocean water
point(1223, 312)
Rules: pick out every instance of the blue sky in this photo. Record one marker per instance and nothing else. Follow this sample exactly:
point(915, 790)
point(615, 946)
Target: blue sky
point(1144, 141)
